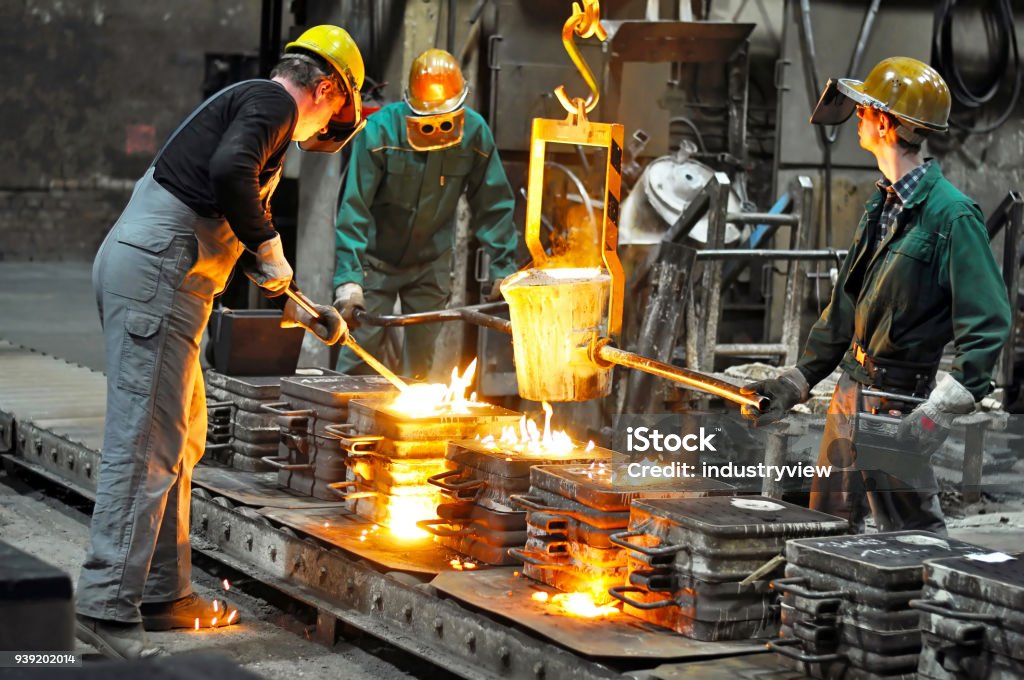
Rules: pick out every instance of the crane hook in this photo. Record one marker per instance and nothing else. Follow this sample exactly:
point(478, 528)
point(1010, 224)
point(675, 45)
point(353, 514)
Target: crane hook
point(584, 22)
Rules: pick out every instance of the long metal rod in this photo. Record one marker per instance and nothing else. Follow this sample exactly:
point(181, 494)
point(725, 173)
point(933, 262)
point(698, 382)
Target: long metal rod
point(474, 312)
point(742, 254)
point(374, 364)
point(694, 379)
point(302, 301)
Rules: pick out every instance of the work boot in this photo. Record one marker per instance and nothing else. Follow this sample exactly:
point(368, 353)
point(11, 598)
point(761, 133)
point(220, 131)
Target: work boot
point(185, 612)
point(114, 639)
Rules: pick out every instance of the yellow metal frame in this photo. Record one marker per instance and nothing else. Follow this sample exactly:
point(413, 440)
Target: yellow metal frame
point(577, 130)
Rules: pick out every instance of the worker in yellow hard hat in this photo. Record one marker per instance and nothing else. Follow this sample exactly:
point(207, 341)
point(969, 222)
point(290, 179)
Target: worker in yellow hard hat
point(203, 204)
point(396, 220)
point(919, 274)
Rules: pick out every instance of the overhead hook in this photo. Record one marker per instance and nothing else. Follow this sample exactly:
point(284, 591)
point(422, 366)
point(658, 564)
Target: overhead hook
point(584, 22)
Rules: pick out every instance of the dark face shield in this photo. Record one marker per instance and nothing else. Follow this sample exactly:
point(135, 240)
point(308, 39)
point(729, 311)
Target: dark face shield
point(343, 126)
point(834, 107)
point(334, 138)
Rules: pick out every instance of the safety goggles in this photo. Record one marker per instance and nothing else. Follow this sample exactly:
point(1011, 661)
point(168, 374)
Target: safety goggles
point(440, 131)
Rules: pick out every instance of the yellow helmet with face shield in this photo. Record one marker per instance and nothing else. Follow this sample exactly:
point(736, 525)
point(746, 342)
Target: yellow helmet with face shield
point(435, 95)
point(909, 90)
point(335, 46)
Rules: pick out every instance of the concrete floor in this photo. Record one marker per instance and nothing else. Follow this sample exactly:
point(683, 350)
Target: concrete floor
point(50, 306)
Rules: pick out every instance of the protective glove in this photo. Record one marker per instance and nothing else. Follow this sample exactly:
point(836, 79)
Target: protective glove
point(495, 294)
point(348, 297)
point(928, 425)
point(785, 391)
point(329, 328)
point(271, 270)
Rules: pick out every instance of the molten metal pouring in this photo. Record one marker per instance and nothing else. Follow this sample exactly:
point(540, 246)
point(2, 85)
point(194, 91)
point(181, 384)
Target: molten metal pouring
point(302, 301)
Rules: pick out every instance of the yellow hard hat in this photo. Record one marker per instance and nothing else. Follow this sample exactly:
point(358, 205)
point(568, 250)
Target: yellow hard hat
point(336, 46)
point(436, 84)
point(909, 89)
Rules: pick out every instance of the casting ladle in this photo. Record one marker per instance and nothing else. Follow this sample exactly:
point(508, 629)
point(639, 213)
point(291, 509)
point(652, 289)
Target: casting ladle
point(302, 301)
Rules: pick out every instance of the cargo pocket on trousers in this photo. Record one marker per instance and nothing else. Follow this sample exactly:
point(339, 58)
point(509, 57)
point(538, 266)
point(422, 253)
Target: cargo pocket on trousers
point(134, 267)
point(139, 352)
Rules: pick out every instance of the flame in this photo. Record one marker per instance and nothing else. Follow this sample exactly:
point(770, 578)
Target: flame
point(576, 604)
point(424, 400)
point(530, 440)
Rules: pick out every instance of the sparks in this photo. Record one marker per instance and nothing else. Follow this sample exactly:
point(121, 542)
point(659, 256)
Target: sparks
point(232, 615)
point(213, 623)
point(227, 586)
point(197, 623)
point(216, 605)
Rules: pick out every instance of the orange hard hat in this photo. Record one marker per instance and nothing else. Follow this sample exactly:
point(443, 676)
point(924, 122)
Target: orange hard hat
point(436, 84)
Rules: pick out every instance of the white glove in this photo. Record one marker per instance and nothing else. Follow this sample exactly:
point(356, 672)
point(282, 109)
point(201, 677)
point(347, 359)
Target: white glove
point(928, 425)
point(329, 328)
point(271, 270)
point(348, 297)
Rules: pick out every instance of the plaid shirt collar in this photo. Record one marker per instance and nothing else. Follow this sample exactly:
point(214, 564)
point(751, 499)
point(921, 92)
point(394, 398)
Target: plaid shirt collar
point(905, 186)
point(896, 195)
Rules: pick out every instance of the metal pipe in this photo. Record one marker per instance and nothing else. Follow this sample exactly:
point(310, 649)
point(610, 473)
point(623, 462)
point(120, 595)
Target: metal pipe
point(693, 379)
point(800, 255)
point(781, 219)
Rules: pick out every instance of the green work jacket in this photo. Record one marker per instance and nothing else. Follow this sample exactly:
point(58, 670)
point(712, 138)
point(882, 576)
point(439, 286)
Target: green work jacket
point(934, 279)
point(398, 204)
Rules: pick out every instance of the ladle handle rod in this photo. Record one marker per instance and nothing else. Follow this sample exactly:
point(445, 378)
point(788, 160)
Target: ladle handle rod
point(694, 379)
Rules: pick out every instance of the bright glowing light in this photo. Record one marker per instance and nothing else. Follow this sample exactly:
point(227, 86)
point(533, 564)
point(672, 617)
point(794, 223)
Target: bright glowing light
point(405, 511)
point(197, 623)
point(425, 400)
point(583, 605)
point(232, 615)
point(227, 586)
point(530, 440)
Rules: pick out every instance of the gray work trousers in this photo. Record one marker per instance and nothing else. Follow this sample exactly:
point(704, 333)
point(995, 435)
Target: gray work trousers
point(899, 489)
point(155, 277)
point(421, 288)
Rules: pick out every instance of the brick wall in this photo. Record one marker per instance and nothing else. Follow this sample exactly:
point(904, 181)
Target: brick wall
point(58, 223)
point(89, 91)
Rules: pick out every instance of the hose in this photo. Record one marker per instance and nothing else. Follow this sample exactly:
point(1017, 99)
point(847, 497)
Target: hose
point(828, 137)
point(1005, 44)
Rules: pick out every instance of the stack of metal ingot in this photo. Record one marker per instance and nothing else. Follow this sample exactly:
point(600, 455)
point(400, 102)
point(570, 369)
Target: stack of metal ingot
point(240, 433)
point(846, 602)
point(477, 516)
point(972, 618)
point(702, 566)
point(572, 513)
point(392, 454)
point(308, 458)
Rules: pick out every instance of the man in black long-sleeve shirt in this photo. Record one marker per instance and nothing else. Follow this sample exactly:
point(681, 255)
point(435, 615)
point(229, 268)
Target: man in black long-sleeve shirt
point(203, 203)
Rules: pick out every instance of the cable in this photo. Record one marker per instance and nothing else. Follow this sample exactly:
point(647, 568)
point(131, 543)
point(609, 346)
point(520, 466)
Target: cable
point(944, 60)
